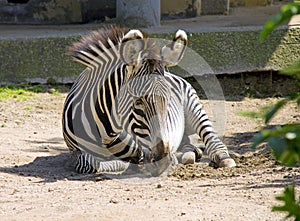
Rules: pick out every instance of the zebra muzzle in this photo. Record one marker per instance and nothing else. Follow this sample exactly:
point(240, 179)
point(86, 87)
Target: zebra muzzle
point(154, 161)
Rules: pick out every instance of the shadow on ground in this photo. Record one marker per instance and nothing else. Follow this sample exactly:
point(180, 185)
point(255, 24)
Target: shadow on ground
point(49, 168)
point(250, 162)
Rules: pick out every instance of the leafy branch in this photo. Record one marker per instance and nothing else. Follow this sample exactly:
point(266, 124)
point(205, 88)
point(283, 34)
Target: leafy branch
point(285, 140)
point(287, 11)
point(291, 205)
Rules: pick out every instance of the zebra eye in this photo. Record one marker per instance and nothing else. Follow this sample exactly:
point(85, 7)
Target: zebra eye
point(139, 103)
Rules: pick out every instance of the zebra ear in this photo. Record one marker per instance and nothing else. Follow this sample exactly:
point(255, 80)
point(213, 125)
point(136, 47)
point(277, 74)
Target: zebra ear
point(131, 47)
point(172, 53)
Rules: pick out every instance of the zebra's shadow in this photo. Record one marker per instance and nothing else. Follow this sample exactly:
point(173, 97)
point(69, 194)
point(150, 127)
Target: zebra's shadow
point(48, 168)
point(61, 167)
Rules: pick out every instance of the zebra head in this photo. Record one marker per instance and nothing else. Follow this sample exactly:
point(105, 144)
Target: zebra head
point(144, 100)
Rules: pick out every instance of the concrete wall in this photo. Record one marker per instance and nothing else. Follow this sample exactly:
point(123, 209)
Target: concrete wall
point(56, 11)
point(192, 8)
point(180, 8)
point(138, 13)
point(81, 11)
point(39, 59)
point(249, 3)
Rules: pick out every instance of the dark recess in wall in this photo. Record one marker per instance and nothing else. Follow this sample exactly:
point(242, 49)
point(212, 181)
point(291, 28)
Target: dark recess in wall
point(18, 1)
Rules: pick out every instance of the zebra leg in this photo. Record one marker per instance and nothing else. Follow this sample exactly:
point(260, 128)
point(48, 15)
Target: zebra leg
point(82, 164)
point(188, 153)
point(218, 152)
point(198, 119)
point(191, 154)
point(86, 163)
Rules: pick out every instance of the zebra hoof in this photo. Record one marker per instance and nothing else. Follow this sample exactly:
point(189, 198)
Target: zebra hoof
point(228, 162)
point(188, 158)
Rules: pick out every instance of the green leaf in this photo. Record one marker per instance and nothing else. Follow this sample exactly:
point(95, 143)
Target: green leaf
point(291, 205)
point(252, 114)
point(261, 137)
point(284, 141)
point(274, 109)
point(278, 146)
point(287, 11)
point(293, 70)
point(246, 113)
point(294, 96)
point(288, 157)
point(256, 114)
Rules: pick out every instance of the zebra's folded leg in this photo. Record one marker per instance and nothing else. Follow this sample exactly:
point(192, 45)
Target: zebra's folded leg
point(188, 158)
point(82, 165)
point(229, 162)
point(86, 163)
point(223, 159)
point(190, 154)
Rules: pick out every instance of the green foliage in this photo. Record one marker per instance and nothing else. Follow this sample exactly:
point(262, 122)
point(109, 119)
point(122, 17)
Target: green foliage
point(266, 113)
point(251, 114)
point(254, 114)
point(25, 92)
point(291, 205)
point(273, 110)
point(292, 70)
point(284, 141)
point(287, 11)
point(8, 92)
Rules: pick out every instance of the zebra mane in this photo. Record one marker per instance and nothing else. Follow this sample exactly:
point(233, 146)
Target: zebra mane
point(92, 45)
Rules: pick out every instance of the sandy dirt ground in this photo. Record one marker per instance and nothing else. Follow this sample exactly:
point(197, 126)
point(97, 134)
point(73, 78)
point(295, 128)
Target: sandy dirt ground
point(37, 181)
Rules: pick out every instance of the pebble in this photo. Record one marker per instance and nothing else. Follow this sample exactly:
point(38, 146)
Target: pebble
point(114, 201)
point(51, 90)
point(98, 179)
point(18, 122)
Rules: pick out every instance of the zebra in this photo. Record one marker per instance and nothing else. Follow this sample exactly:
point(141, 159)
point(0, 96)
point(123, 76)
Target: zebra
point(125, 108)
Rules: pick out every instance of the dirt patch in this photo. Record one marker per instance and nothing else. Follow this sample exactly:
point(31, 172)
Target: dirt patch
point(38, 182)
